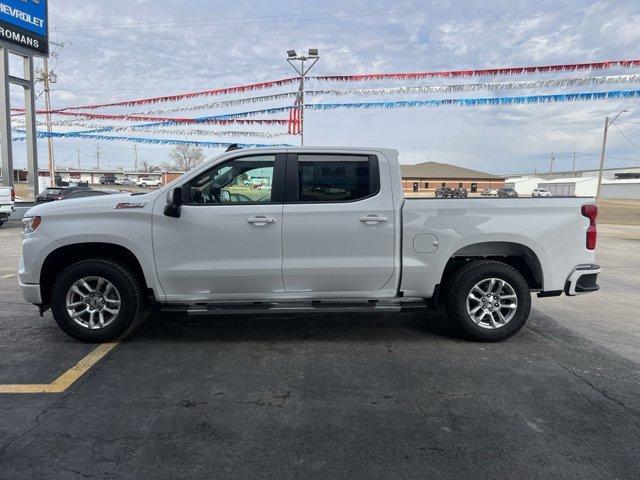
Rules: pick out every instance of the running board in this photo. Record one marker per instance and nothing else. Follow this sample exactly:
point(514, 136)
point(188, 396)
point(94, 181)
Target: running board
point(297, 306)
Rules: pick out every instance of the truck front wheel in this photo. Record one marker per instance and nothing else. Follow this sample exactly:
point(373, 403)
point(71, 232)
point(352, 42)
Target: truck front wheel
point(487, 300)
point(97, 300)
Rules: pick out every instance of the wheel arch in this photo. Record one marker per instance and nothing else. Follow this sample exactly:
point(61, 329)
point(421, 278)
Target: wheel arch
point(517, 255)
point(64, 256)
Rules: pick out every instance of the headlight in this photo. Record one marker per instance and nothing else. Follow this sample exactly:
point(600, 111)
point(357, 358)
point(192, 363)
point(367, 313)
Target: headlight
point(29, 224)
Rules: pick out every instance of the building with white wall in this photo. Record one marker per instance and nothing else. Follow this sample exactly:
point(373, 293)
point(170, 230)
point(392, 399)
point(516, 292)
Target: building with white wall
point(628, 189)
point(523, 185)
point(571, 187)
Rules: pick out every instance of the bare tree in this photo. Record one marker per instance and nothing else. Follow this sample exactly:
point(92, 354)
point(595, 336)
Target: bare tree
point(185, 157)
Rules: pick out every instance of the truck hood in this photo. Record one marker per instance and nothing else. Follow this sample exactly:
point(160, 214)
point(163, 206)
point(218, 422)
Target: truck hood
point(89, 204)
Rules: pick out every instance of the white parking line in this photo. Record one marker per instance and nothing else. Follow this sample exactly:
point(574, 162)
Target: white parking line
point(7, 275)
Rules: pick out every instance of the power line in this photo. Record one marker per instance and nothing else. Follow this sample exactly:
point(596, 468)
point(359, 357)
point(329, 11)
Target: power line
point(238, 20)
point(288, 35)
point(625, 136)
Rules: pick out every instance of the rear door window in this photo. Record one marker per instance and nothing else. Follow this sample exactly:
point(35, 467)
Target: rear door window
point(335, 178)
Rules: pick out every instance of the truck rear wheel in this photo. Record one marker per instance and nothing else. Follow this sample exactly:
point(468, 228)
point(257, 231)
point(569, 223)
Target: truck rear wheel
point(487, 300)
point(97, 300)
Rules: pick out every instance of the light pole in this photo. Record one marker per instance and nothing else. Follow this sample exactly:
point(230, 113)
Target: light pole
point(312, 57)
point(607, 123)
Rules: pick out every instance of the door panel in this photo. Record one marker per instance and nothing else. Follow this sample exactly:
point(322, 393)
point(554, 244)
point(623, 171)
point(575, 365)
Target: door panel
point(336, 246)
point(227, 242)
point(214, 250)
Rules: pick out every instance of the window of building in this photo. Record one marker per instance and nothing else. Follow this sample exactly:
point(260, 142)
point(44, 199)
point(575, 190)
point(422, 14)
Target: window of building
point(426, 184)
point(444, 184)
point(459, 184)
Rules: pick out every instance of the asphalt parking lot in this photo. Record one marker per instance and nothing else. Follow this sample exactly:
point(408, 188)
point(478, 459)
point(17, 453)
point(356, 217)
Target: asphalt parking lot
point(331, 396)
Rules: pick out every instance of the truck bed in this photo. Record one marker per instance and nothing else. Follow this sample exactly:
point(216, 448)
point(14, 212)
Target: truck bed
point(434, 230)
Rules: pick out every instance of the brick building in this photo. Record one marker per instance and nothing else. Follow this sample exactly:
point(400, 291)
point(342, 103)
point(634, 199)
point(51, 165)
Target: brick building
point(428, 176)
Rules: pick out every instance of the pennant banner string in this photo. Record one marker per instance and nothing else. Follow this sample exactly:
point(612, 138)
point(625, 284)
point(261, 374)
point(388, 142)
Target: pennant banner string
point(155, 141)
point(146, 118)
point(481, 72)
point(182, 96)
point(363, 77)
point(185, 132)
point(227, 103)
point(238, 121)
point(471, 102)
point(470, 87)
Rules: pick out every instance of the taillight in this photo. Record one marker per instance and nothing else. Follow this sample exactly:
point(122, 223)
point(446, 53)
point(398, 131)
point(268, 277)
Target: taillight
point(13, 195)
point(591, 212)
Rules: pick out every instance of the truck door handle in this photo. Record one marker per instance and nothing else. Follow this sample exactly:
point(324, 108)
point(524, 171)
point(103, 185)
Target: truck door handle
point(261, 220)
point(371, 219)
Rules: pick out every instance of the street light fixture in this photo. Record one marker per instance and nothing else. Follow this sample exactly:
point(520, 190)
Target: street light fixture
point(302, 70)
point(607, 123)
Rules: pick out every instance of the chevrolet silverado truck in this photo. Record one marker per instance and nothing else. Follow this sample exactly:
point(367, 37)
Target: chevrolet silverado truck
point(302, 230)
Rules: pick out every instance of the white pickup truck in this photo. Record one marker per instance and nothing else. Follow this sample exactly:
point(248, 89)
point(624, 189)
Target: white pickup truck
point(7, 201)
point(302, 230)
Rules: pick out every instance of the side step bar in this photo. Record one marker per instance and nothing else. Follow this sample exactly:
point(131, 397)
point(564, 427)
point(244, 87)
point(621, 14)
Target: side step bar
point(298, 306)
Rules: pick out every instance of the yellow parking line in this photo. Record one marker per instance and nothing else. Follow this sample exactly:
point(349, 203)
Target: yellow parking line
point(65, 380)
point(8, 275)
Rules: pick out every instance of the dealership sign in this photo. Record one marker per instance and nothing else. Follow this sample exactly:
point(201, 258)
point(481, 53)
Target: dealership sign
point(25, 23)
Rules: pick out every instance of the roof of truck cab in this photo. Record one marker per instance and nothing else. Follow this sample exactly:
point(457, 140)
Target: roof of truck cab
point(444, 170)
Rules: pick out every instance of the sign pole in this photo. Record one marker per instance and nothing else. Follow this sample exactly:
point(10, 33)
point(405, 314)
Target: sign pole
point(30, 123)
point(5, 120)
point(24, 32)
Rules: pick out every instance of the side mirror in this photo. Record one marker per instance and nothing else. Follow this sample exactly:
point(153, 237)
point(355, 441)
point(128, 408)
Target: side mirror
point(174, 201)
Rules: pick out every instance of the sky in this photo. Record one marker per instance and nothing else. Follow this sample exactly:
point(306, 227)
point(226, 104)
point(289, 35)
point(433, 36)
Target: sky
point(118, 50)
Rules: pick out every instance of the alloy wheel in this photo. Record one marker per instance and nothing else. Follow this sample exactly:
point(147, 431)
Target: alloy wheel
point(93, 302)
point(492, 303)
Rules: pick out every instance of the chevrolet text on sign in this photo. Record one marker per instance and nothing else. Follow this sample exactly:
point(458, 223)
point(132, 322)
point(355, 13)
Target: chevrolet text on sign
point(25, 23)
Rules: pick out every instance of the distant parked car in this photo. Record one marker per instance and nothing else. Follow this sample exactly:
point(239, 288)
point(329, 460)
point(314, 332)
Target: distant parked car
point(541, 192)
point(7, 202)
point(127, 182)
point(507, 192)
point(51, 194)
point(107, 180)
point(460, 192)
point(489, 192)
point(151, 182)
point(88, 193)
point(444, 192)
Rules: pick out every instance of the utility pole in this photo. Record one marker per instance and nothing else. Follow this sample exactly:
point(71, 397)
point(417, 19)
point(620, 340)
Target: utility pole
point(135, 161)
point(311, 57)
point(573, 167)
point(553, 158)
point(48, 77)
point(78, 156)
point(98, 154)
point(607, 123)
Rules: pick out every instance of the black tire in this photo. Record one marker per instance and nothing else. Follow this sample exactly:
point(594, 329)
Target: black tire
point(143, 184)
point(133, 304)
point(1, 222)
point(460, 285)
